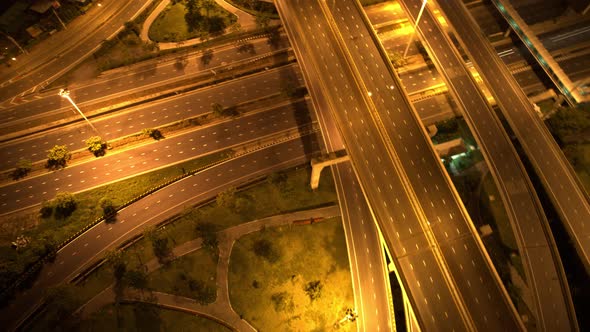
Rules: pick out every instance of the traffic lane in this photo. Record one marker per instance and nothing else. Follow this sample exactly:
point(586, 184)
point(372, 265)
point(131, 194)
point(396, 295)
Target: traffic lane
point(368, 268)
point(549, 161)
point(151, 115)
point(419, 161)
point(385, 192)
point(576, 68)
point(142, 77)
point(155, 208)
point(366, 254)
point(435, 109)
point(507, 94)
point(419, 81)
point(499, 152)
point(486, 14)
point(520, 202)
point(64, 39)
point(567, 37)
point(384, 13)
point(97, 32)
point(152, 155)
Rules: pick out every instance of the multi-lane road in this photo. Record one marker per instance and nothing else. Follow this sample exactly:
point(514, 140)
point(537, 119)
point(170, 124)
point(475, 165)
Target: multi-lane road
point(64, 50)
point(129, 83)
point(150, 115)
point(420, 217)
point(250, 127)
point(91, 246)
point(544, 273)
point(555, 172)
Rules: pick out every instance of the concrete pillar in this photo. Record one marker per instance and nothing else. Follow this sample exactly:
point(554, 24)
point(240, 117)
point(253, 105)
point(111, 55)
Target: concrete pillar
point(318, 164)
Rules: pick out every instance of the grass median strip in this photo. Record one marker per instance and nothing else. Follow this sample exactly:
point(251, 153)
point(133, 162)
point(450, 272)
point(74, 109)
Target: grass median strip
point(45, 234)
point(278, 193)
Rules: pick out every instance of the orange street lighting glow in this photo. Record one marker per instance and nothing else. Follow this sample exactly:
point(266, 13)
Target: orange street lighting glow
point(395, 7)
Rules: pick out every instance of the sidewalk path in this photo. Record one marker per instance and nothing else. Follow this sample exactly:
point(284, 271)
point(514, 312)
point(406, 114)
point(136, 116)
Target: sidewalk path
point(246, 21)
point(220, 310)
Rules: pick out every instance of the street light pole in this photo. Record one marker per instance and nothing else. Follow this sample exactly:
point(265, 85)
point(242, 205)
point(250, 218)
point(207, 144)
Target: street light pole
point(59, 19)
point(64, 93)
point(415, 27)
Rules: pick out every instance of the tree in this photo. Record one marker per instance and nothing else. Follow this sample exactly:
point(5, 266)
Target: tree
point(203, 294)
point(61, 302)
point(193, 15)
point(208, 5)
point(114, 259)
point(313, 289)
point(208, 232)
point(46, 209)
point(64, 204)
point(569, 123)
point(137, 279)
point(226, 198)
point(153, 133)
point(108, 208)
point(265, 249)
point(397, 59)
point(217, 109)
point(161, 249)
point(23, 167)
point(282, 301)
point(263, 20)
point(96, 145)
point(58, 157)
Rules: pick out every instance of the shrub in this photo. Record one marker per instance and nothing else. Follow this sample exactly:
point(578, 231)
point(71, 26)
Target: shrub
point(64, 204)
point(96, 145)
point(58, 157)
point(23, 167)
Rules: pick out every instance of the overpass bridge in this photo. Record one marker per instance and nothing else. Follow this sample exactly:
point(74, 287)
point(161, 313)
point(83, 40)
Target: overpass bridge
point(443, 267)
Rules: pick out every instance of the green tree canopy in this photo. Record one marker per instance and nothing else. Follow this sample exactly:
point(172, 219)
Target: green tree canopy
point(64, 204)
point(227, 198)
point(208, 232)
point(58, 156)
point(23, 167)
point(96, 145)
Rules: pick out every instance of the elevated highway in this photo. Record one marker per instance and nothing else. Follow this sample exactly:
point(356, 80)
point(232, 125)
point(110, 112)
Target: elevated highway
point(447, 274)
point(556, 174)
point(553, 307)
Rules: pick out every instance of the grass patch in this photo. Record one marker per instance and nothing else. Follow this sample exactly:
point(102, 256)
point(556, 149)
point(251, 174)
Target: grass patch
point(280, 193)
point(307, 288)
point(142, 317)
point(191, 276)
point(46, 233)
point(171, 26)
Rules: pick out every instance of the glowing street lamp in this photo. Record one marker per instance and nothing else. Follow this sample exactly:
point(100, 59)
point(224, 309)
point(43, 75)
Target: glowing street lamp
point(65, 93)
point(415, 27)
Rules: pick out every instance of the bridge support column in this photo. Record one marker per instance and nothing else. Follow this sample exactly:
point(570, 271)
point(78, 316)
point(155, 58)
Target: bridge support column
point(318, 164)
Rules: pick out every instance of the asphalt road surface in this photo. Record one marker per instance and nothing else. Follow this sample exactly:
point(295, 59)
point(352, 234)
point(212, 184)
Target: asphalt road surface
point(555, 172)
point(172, 200)
point(150, 115)
point(542, 264)
point(365, 250)
point(68, 47)
point(401, 212)
point(53, 59)
point(133, 79)
point(127, 163)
